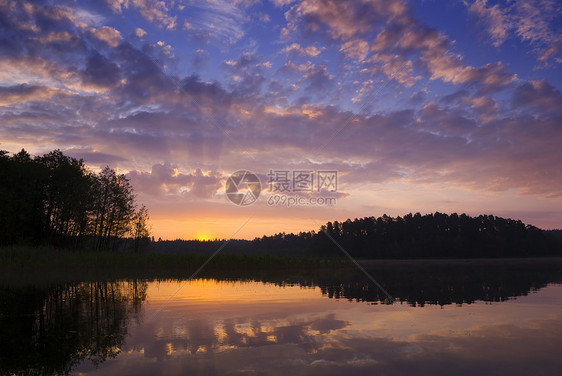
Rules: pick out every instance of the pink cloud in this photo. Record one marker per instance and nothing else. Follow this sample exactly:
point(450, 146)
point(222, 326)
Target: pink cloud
point(532, 21)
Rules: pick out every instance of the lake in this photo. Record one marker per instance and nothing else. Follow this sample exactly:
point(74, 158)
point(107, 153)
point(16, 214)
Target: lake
point(477, 317)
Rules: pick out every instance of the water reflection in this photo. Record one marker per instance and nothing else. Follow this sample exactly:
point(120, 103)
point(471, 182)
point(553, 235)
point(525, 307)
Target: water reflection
point(276, 326)
point(311, 335)
point(442, 283)
point(49, 330)
point(209, 337)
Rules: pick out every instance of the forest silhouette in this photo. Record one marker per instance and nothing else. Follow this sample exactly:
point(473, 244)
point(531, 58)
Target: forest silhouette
point(412, 236)
point(54, 199)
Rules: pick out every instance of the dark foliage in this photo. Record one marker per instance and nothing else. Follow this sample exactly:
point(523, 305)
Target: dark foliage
point(55, 199)
point(429, 236)
point(413, 236)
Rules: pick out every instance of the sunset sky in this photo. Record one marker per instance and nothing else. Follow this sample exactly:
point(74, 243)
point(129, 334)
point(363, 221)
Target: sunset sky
point(423, 106)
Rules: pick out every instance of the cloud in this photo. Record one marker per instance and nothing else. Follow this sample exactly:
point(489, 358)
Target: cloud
point(246, 62)
point(117, 5)
point(396, 67)
point(281, 3)
point(58, 37)
point(155, 11)
point(318, 80)
point(94, 157)
point(107, 97)
point(535, 22)
point(246, 73)
point(486, 108)
point(450, 68)
point(23, 93)
point(144, 75)
point(222, 20)
point(167, 179)
point(139, 33)
point(100, 72)
point(246, 3)
point(292, 68)
point(490, 77)
point(355, 49)
point(483, 149)
point(409, 37)
point(107, 34)
point(25, 69)
point(551, 51)
point(395, 45)
point(262, 17)
point(495, 20)
point(309, 51)
point(538, 95)
point(344, 20)
point(387, 39)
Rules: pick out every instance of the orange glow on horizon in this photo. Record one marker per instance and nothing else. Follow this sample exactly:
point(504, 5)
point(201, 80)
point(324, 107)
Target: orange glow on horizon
point(187, 221)
point(204, 236)
point(225, 228)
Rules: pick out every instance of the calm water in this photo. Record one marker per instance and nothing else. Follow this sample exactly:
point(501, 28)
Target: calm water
point(447, 319)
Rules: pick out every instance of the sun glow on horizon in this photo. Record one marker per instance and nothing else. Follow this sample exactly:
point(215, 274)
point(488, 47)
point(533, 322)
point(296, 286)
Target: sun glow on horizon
point(204, 236)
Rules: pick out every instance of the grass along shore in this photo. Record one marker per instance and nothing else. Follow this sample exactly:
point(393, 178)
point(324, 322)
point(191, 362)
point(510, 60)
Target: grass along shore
point(32, 265)
point(20, 265)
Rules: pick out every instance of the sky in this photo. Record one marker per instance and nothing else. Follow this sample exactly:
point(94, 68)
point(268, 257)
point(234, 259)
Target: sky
point(407, 106)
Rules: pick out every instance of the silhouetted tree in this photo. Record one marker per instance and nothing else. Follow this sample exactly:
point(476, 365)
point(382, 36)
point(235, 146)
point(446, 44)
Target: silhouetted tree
point(55, 199)
point(141, 231)
point(67, 198)
point(435, 235)
point(114, 208)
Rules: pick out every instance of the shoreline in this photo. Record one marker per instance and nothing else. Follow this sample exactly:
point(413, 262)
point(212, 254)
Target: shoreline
point(27, 265)
point(459, 261)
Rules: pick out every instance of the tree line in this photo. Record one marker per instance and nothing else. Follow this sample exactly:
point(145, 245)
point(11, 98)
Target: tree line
point(435, 235)
point(55, 199)
point(412, 236)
